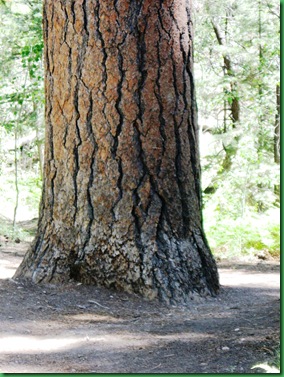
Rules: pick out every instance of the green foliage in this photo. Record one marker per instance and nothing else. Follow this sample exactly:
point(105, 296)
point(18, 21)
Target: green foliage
point(7, 229)
point(21, 106)
point(240, 177)
point(243, 236)
point(21, 71)
point(30, 193)
point(272, 366)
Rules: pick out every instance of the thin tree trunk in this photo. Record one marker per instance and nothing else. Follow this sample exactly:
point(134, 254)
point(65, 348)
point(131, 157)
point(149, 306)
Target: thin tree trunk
point(16, 176)
point(234, 109)
point(277, 141)
point(260, 53)
point(38, 141)
point(277, 127)
point(234, 101)
point(40, 152)
point(121, 204)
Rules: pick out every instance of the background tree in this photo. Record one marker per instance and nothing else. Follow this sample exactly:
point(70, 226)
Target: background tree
point(121, 199)
point(240, 198)
point(21, 104)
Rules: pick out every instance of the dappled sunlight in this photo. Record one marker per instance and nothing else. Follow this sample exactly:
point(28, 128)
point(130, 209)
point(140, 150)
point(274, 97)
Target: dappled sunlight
point(7, 269)
point(86, 337)
point(239, 278)
point(29, 344)
point(185, 336)
point(11, 255)
point(90, 317)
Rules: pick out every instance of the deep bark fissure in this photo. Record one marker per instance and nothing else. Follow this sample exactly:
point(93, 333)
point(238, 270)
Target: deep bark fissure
point(141, 82)
point(102, 49)
point(117, 106)
point(45, 29)
point(162, 218)
point(85, 16)
point(119, 126)
point(48, 108)
point(171, 12)
point(66, 24)
point(178, 157)
point(49, 50)
point(141, 53)
point(119, 185)
point(40, 251)
point(210, 275)
point(162, 24)
point(141, 65)
point(163, 250)
point(193, 132)
point(178, 160)
point(134, 12)
point(65, 135)
point(79, 69)
point(76, 148)
point(160, 103)
point(136, 201)
point(91, 137)
point(118, 102)
point(72, 8)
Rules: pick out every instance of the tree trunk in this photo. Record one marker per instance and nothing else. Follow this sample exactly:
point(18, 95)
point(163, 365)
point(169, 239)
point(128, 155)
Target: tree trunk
point(234, 108)
point(121, 204)
point(277, 127)
point(227, 68)
point(276, 141)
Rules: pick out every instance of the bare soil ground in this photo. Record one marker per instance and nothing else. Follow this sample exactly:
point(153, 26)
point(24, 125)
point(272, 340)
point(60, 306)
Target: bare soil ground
point(77, 329)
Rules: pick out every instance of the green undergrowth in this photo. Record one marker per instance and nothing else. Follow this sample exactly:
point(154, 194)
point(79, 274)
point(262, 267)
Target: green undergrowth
point(252, 235)
point(29, 185)
point(11, 233)
point(272, 366)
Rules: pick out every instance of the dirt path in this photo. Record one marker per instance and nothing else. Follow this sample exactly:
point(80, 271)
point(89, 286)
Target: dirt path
point(87, 329)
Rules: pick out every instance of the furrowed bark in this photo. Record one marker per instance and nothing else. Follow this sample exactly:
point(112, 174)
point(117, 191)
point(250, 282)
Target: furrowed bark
point(121, 204)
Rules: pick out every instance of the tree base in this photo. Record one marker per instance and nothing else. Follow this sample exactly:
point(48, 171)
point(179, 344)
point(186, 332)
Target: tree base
point(172, 271)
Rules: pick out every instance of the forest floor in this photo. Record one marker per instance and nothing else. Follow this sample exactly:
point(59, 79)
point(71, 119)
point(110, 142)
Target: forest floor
point(86, 329)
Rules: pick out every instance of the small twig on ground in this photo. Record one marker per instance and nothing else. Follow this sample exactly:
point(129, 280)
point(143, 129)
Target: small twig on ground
point(157, 366)
point(96, 303)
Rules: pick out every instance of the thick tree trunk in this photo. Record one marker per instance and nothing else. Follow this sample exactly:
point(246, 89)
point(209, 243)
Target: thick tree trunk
point(121, 203)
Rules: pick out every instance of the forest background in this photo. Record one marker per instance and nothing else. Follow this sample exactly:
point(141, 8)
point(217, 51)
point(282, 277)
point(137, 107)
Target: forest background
point(237, 78)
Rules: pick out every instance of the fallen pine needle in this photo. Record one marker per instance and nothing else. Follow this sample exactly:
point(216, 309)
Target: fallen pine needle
point(157, 366)
point(96, 303)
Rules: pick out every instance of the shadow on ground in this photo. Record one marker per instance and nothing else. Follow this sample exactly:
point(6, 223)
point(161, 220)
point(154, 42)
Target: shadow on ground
point(77, 329)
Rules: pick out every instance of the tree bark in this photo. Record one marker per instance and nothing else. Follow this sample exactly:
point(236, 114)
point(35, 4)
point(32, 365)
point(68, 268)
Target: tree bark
point(121, 203)
point(277, 128)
